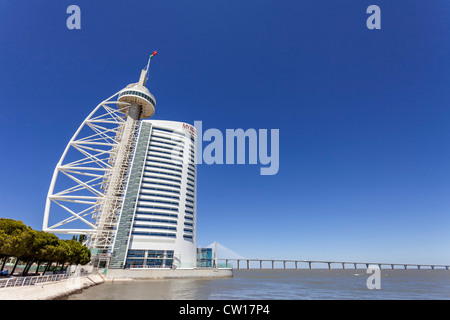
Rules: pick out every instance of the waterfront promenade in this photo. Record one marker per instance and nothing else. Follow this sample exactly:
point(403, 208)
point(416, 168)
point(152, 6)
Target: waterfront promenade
point(51, 290)
point(34, 288)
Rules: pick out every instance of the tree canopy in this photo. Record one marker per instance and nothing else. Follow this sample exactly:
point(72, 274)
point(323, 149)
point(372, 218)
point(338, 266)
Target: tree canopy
point(21, 241)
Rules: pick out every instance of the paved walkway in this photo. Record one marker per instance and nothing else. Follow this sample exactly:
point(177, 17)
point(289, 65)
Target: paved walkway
point(50, 290)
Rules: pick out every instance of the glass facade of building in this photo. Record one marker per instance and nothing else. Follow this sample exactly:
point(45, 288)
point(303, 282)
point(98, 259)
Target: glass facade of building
point(204, 258)
point(160, 208)
point(149, 259)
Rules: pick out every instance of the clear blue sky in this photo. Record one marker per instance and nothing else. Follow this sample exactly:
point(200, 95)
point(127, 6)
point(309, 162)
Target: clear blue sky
point(364, 115)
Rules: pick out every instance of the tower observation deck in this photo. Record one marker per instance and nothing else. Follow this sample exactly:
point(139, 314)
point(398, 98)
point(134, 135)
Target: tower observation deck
point(88, 184)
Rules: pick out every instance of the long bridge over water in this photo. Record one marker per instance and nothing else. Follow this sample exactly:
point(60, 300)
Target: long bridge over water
point(296, 264)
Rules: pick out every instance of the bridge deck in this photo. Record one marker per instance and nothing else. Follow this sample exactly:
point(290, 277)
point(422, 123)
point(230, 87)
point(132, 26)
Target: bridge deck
point(330, 264)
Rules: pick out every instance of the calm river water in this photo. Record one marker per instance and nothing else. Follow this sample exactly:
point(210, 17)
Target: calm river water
point(281, 285)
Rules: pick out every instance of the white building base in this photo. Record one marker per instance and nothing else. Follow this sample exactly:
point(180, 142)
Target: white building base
point(154, 273)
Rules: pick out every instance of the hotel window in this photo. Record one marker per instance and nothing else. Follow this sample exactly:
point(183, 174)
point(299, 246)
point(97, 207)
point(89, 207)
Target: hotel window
point(139, 210)
point(154, 234)
point(149, 259)
point(148, 206)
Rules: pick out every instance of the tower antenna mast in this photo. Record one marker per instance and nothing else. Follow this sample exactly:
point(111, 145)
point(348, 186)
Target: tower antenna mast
point(148, 65)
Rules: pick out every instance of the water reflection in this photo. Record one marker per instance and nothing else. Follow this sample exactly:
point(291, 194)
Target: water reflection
point(280, 284)
point(166, 289)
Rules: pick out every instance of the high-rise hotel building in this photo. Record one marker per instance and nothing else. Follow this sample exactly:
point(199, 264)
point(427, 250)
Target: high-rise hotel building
point(129, 184)
point(157, 224)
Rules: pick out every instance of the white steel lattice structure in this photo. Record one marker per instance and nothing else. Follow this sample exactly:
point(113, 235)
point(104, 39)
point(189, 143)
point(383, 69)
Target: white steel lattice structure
point(88, 183)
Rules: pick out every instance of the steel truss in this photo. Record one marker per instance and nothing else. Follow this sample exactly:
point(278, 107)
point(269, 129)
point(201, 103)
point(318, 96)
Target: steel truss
point(87, 188)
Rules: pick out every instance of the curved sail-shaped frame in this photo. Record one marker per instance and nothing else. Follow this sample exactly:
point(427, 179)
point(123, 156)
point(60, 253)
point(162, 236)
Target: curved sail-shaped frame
point(80, 179)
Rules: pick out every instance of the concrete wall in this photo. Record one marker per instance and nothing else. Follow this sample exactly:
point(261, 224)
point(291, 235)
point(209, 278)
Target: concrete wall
point(50, 290)
point(141, 274)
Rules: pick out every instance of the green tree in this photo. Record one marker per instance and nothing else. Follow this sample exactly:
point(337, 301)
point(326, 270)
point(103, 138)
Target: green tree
point(79, 253)
point(3, 255)
point(44, 248)
point(16, 238)
point(9, 226)
point(82, 238)
point(30, 246)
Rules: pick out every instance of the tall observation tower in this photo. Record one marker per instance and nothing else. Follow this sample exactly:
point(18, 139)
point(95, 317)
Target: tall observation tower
point(136, 102)
point(129, 184)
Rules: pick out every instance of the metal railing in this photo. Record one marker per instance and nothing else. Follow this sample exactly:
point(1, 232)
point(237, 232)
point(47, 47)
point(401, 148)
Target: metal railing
point(33, 280)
